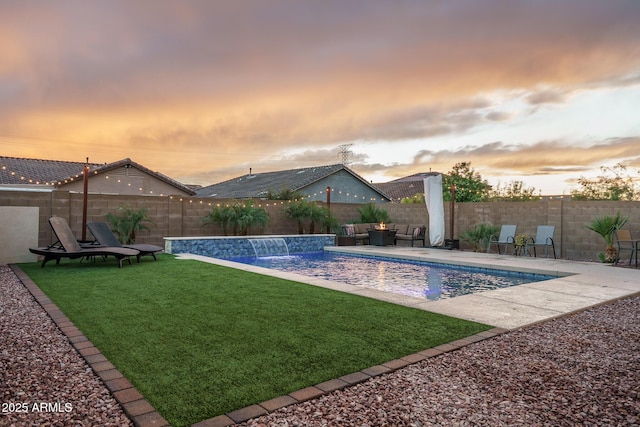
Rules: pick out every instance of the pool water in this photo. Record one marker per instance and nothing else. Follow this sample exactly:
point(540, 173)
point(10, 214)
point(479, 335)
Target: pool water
point(412, 278)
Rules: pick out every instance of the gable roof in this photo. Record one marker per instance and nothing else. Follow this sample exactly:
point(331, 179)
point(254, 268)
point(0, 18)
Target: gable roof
point(15, 170)
point(56, 173)
point(256, 185)
point(407, 186)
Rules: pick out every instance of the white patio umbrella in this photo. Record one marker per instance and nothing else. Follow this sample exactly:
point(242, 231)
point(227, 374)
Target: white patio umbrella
point(435, 207)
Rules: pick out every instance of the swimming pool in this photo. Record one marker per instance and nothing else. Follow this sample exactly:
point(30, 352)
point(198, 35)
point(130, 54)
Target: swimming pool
point(419, 279)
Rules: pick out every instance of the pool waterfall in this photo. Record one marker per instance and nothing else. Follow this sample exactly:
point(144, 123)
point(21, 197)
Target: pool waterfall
point(272, 246)
point(227, 247)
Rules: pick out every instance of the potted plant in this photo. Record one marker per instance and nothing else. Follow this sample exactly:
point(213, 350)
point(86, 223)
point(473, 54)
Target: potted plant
point(519, 242)
point(606, 227)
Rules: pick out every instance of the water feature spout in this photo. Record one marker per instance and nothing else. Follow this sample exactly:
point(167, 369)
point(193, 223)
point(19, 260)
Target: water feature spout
point(272, 246)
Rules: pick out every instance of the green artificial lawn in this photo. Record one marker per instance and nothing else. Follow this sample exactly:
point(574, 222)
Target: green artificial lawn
point(199, 340)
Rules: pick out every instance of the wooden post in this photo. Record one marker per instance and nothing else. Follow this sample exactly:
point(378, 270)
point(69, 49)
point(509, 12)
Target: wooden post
point(329, 209)
point(85, 177)
point(453, 208)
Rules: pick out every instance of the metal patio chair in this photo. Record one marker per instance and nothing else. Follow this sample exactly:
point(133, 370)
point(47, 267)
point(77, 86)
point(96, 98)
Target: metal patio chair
point(625, 242)
point(544, 238)
point(507, 237)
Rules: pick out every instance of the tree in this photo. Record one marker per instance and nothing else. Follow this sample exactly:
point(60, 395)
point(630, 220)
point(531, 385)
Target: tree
point(298, 211)
point(220, 215)
point(127, 221)
point(238, 217)
point(417, 198)
point(283, 194)
point(302, 210)
point(247, 216)
point(615, 184)
point(470, 187)
point(515, 191)
point(316, 214)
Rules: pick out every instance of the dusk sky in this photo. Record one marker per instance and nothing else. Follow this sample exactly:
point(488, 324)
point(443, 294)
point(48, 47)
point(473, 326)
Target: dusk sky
point(542, 92)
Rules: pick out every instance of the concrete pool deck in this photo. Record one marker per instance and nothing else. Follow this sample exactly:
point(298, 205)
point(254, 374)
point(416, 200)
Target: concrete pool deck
point(579, 285)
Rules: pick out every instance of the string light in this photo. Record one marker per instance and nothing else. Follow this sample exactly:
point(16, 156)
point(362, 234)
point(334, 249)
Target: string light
point(74, 178)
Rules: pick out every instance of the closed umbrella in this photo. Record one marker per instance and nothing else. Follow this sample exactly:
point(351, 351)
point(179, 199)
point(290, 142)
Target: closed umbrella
point(435, 207)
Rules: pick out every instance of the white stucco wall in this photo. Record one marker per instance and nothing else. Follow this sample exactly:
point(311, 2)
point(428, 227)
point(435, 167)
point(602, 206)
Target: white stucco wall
point(19, 232)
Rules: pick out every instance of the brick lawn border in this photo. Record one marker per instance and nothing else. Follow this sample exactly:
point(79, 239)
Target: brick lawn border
point(142, 414)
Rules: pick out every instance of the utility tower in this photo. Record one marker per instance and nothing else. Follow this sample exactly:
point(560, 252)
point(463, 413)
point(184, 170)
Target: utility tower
point(345, 154)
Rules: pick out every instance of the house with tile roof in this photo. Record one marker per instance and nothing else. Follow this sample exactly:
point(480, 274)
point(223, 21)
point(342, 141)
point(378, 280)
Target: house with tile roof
point(312, 182)
point(407, 186)
point(124, 177)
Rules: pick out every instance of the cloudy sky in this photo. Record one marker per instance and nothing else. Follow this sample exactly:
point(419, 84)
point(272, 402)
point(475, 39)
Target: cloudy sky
point(538, 91)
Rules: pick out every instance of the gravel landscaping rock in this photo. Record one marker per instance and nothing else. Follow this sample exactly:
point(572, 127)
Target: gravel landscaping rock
point(43, 380)
point(578, 370)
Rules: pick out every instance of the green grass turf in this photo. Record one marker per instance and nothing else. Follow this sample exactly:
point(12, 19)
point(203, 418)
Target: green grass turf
point(199, 340)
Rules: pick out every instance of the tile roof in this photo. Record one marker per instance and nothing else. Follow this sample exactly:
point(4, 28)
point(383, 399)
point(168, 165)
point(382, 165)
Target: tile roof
point(255, 185)
point(16, 170)
point(407, 186)
point(120, 163)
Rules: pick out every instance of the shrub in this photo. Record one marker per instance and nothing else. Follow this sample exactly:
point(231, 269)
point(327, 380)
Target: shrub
point(127, 221)
point(606, 226)
point(239, 217)
point(479, 236)
point(369, 213)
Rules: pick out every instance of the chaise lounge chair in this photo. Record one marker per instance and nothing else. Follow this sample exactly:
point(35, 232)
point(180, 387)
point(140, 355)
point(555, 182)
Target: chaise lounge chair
point(507, 237)
point(544, 237)
point(68, 247)
point(104, 236)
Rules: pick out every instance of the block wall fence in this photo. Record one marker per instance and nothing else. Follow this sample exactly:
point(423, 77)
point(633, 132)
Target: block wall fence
point(180, 216)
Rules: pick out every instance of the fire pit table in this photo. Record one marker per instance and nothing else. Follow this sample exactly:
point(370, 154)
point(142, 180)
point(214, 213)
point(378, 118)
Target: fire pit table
point(382, 237)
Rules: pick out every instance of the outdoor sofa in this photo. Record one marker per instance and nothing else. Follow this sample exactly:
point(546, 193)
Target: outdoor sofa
point(406, 232)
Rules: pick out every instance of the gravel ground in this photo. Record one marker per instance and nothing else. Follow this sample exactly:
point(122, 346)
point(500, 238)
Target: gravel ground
point(580, 370)
point(43, 380)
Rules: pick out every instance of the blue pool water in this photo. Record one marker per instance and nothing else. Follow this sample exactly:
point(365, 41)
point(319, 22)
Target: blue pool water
point(413, 278)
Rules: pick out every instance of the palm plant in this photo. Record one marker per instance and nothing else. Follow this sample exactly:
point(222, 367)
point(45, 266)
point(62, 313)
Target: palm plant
point(222, 215)
point(237, 217)
point(369, 213)
point(128, 221)
point(329, 222)
point(247, 216)
point(298, 211)
point(606, 227)
point(316, 214)
point(479, 236)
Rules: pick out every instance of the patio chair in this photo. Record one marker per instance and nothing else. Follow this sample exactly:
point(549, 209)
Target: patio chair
point(625, 242)
point(506, 238)
point(68, 247)
point(105, 237)
point(544, 238)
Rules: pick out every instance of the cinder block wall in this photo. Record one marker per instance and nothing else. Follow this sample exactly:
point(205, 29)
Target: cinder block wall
point(176, 216)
